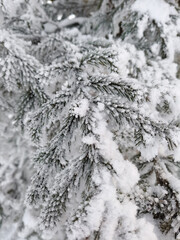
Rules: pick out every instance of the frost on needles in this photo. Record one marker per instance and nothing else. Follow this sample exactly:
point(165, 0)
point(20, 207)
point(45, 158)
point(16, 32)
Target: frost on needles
point(90, 113)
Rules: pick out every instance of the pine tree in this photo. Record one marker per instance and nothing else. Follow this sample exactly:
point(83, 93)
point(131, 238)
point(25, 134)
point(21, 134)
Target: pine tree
point(90, 94)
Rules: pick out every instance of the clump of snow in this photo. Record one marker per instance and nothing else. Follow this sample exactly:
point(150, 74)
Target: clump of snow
point(158, 10)
point(142, 25)
point(49, 27)
point(127, 173)
point(104, 210)
point(101, 106)
point(173, 181)
point(146, 230)
point(89, 140)
point(150, 229)
point(177, 154)
point(150, 151)
point(81, 107)
point(30, 221)
point(155, 48)
point(72, 16)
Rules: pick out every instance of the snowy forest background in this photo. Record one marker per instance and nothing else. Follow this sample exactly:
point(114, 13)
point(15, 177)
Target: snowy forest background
point(89, 119)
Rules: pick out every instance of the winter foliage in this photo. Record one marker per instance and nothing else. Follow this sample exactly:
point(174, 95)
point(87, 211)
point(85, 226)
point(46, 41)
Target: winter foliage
point(90, 120)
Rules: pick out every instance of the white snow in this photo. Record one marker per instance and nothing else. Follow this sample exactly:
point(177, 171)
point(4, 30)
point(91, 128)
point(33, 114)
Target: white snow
point(50, 27)
point(81, 107)
point(158, 10)
point(30, 221)
point(89, 140)
point(173, 181)
point(105, 210)
point(1, 18)
point(127, 173)
point(177, 154)
point(72, 16)
point(142, 25)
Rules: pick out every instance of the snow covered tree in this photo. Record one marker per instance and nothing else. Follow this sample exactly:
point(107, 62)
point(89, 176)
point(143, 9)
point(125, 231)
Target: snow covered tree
point(89, 92)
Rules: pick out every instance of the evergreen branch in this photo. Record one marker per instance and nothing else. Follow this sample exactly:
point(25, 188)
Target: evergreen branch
point(109, 85)
point(56, 204)
point(38, 190)
point(104, 58)
point(157, 205)
point(142, 124)
point(55, 153)
point(48, 111)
